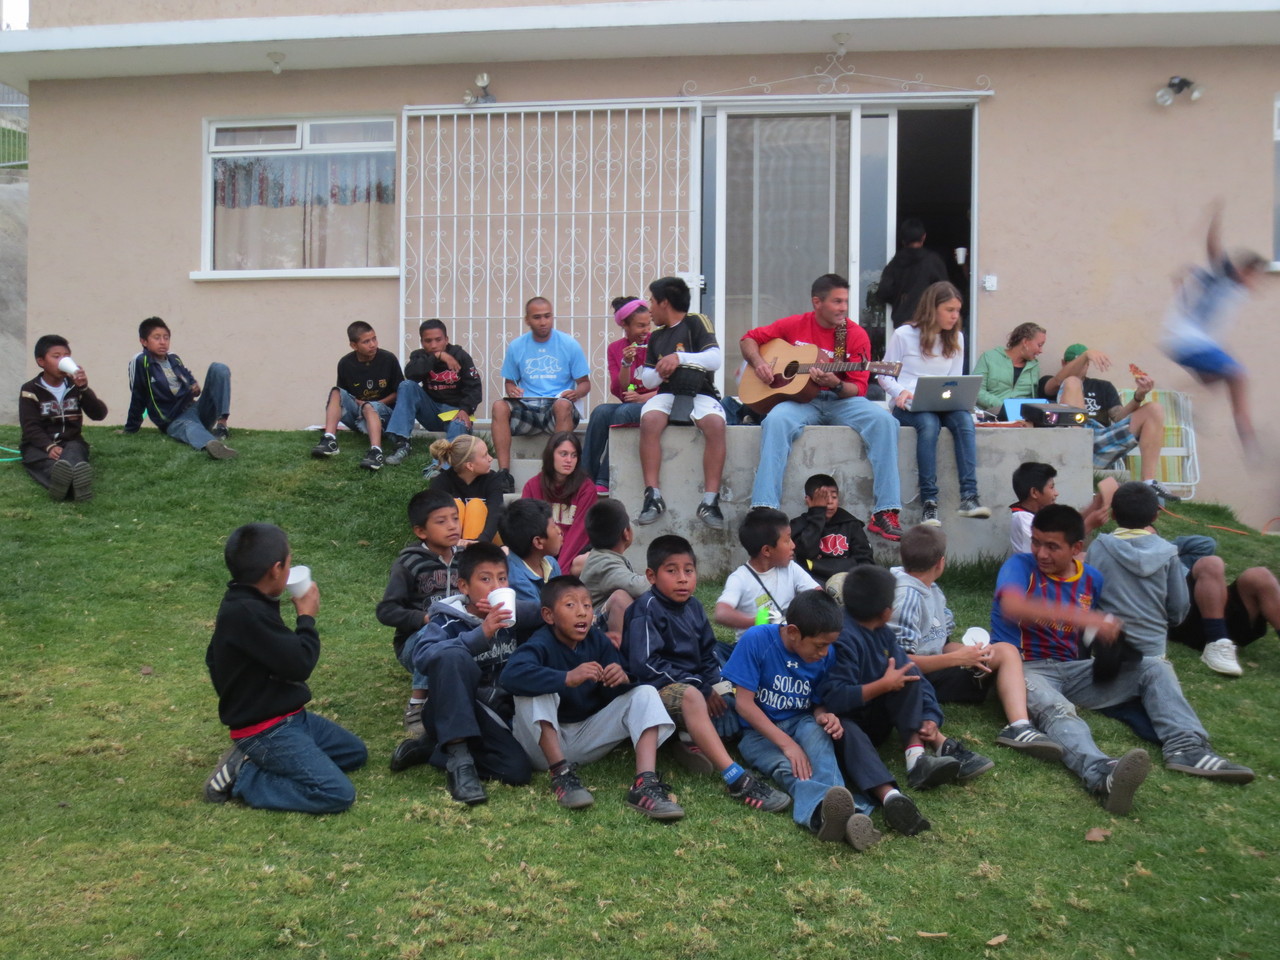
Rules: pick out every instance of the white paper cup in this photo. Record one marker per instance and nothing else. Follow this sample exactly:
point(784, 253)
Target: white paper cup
point(506, 597)
point(962, 254)
point(68, 366)
point(976, 637)
point(299, 581)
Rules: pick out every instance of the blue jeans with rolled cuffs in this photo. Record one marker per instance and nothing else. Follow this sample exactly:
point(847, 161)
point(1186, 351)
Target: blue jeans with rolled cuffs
point(963, 436)
point(816, 743)
point(193, 424)
point(299, 765)
point(786, 421)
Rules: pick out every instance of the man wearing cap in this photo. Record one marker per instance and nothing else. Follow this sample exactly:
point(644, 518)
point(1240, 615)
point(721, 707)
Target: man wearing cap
point(1117, 427)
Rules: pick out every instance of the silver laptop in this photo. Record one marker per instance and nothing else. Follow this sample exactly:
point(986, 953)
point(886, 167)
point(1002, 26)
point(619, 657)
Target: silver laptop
point(942, 394)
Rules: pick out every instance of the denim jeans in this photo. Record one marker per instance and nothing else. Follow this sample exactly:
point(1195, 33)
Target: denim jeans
point(879, 432)
point(413, 403)
point(298, 765)
point(1055, 688)
point(595, 448)
point(192, 425)
point(353, 416)
point(927, 427)
point(806, 795)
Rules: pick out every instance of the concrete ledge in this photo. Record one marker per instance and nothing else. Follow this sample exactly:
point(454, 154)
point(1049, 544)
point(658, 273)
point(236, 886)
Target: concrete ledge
point(839, 452)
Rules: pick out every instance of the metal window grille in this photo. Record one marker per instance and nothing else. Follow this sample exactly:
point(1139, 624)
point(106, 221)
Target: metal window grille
point(576, 203)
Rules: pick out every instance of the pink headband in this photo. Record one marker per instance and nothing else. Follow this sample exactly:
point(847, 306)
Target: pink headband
point(626, 310)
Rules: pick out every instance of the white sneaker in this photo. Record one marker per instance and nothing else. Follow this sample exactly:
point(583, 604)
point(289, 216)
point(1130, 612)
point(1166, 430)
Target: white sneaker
point(1220, 657)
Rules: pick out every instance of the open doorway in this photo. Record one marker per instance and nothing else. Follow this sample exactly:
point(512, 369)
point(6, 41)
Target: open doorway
point(935, 186)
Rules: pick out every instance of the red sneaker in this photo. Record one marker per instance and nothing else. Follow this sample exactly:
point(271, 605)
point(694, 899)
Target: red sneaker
point(885, 524)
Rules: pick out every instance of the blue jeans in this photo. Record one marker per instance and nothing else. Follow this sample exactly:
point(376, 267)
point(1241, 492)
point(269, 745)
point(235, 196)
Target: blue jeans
point(1055, 688)
point(298, 765)
point(595, 448)
point(927, 427)
point(806, 795)
point(413, 403)
point(192, 425)
point(352, 412)
point(786, 421)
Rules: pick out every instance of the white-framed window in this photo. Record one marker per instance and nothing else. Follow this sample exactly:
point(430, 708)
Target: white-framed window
point(300, 198)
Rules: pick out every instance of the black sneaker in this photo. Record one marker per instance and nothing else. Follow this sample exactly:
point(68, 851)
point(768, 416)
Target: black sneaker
point(1123, 781)
point(903, 816)
point(885, 523)
point(82, 480)
point(654, 507)
point(373, 460)
point(650, 796)
point(860, 832)
point(400, 452)
point(971, 507)
point(1203, 762)
point(753, 793)
point(569, 791)
point(930, 772)
point(834, 814)
point(60, 480)
point(413, 752)
point(507, 480)
point(220, 431)
point(709, 513)
point(327, 447)
point(217, 789)
point(929, 514)
point(1027, 739)
point(464, 782)
point(972, 765)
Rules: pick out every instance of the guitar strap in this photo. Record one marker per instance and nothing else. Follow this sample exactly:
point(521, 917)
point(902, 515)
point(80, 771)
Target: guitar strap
point(842, 337)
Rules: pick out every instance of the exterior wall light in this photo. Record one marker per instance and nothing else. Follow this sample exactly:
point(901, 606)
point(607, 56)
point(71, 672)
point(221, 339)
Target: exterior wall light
point(1176, 85)
point(482, 81)
point(276, 60)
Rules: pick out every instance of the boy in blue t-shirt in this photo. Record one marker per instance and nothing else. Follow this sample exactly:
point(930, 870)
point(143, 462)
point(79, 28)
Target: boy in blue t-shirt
point(544, 375)
point(777, 670)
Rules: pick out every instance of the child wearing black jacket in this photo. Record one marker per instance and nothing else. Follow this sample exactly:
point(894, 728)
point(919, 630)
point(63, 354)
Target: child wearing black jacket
point(282, 757)
point(828, 538)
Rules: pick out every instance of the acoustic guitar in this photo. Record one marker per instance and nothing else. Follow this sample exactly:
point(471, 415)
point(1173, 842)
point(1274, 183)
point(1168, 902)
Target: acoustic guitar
point(792, 365)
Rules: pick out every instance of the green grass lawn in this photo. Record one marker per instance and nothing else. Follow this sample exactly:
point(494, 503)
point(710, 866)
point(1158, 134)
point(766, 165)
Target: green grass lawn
point(108, 728)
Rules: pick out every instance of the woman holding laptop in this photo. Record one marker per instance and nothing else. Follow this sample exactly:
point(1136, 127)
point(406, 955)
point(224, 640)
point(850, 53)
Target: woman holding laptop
point(932, 345)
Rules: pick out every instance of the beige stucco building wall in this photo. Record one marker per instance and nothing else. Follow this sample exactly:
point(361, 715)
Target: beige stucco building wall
point(78, 13)
point(1089, 197)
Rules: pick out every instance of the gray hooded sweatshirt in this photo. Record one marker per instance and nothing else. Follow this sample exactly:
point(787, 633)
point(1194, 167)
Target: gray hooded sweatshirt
point(1144, 585)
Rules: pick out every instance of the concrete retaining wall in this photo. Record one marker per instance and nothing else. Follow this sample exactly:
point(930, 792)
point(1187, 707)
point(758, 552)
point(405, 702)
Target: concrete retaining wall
point(839, 452)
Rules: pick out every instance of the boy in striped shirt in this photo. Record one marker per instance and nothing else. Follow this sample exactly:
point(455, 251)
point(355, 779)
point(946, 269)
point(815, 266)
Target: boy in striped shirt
point(1045, 606)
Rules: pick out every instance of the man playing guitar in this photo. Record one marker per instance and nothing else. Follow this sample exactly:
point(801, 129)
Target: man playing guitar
point(842, 401)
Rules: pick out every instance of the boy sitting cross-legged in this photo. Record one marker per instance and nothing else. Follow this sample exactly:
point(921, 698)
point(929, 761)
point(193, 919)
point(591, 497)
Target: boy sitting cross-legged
point(462, 650)
point(531, 533)
point(422, 573)
point(282, 756)
point(669, 644)
point(777, 670)
point(761, 589)
point(574, 703)
point(958, 672)
point(875, 684)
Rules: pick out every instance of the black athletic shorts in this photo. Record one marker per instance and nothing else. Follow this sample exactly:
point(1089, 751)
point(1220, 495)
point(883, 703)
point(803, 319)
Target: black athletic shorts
point(1241, 629)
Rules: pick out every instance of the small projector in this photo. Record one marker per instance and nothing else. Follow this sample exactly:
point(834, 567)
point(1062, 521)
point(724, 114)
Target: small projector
point(1053, 415)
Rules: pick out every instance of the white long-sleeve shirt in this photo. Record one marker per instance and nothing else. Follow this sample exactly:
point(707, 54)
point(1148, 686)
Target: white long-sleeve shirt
point(904, 348)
